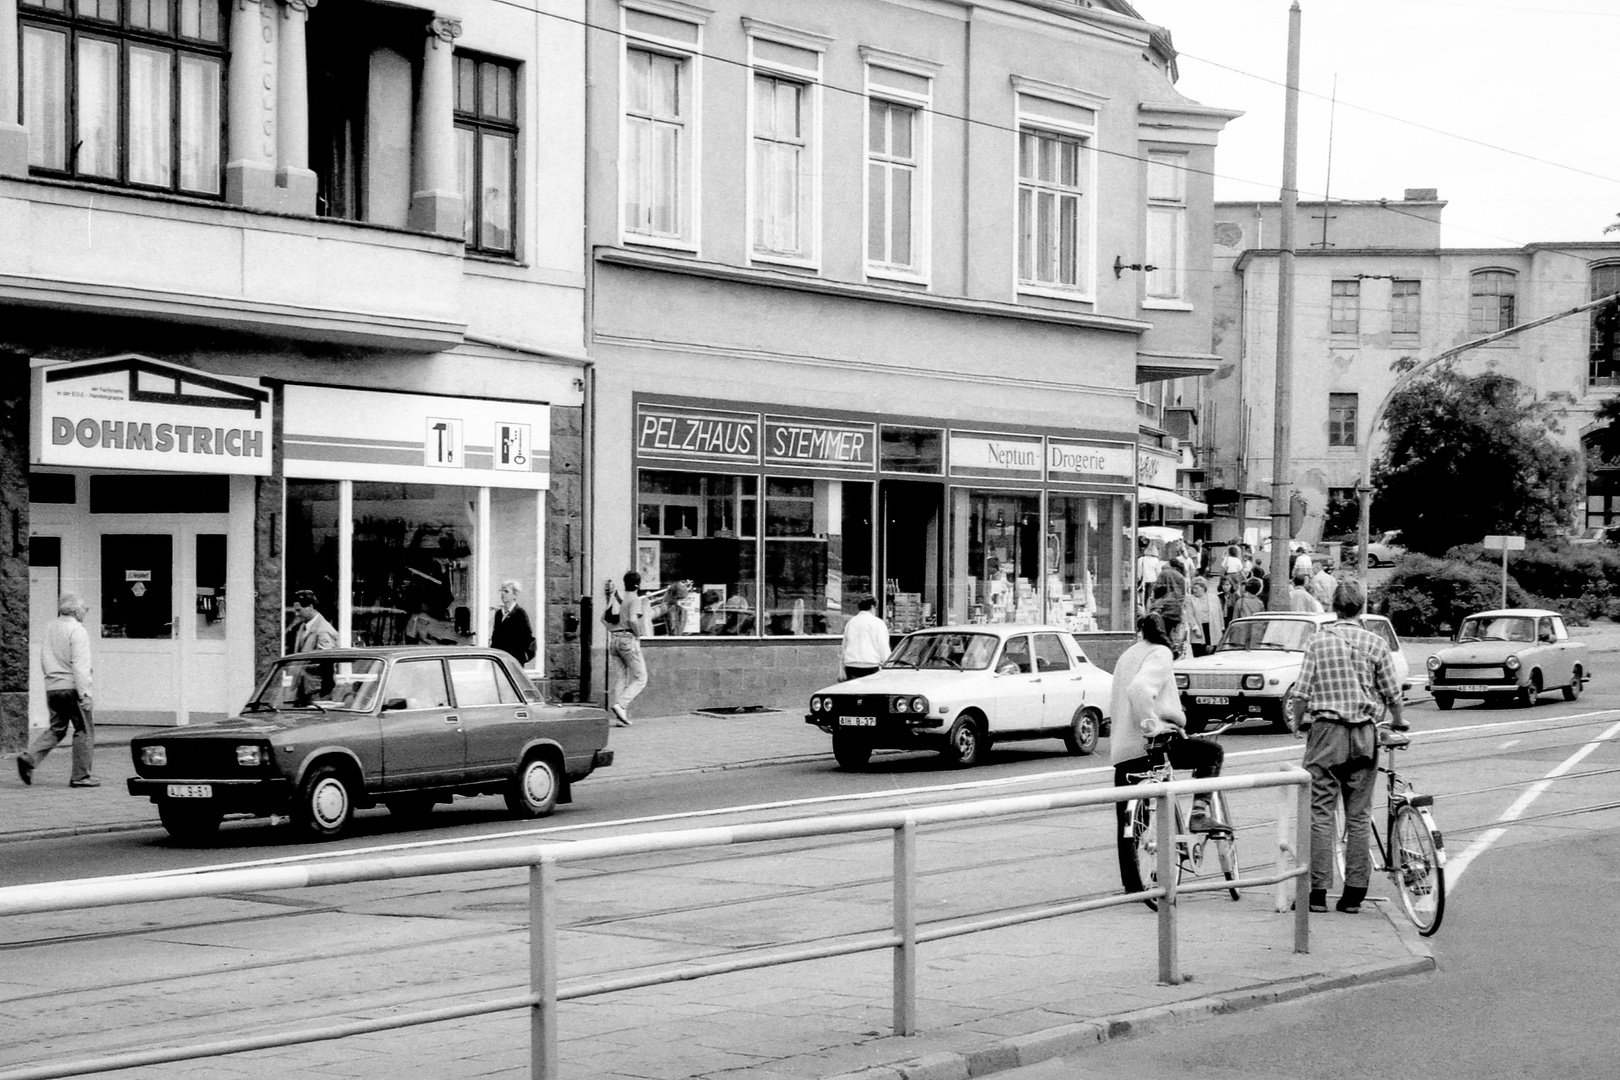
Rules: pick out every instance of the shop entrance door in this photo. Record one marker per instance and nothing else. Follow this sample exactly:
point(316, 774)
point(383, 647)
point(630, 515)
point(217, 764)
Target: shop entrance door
point(910, 546)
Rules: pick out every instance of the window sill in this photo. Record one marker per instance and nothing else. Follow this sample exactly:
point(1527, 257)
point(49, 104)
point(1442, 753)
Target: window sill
point(662, 243)
point(788, 262)
point(890, 276)
point(1056, 292)
point(1167, 305)
point(488, 259)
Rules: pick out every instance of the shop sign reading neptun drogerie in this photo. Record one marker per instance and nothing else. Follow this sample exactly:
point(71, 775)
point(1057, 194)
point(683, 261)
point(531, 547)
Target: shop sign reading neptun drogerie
point(133, 412)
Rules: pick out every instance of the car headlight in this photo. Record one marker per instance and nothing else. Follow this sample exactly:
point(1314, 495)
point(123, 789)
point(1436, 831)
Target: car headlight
point(154, 755)
point(1511, 663)
point(1434, 663)
point(919, 704)
point(1253, 682)
point(1182, 682)
point(250, 756)
point(902, 704)
point(815, 704)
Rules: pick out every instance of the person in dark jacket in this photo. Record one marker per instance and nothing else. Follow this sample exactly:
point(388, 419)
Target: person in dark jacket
point(512, 632)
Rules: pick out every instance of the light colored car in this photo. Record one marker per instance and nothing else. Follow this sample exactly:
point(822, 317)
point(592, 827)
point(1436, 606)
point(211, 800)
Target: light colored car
point(1252, 672)
point(1515, 652)
point(1383, 550)
point(957, 689)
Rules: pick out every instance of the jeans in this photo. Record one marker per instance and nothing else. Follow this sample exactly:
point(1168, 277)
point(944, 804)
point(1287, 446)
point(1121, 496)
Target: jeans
point(1353, 780)
point(66, 712)
point(628, 675)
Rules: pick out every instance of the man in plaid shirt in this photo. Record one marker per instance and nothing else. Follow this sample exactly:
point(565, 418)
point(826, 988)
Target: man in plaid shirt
point(1346, 683)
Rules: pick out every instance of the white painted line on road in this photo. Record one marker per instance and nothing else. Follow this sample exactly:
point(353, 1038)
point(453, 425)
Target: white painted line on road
point(1455, 867)
point(1510, 742)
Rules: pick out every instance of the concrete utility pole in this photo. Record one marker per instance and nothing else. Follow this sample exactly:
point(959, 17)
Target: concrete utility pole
point(1281, 531)
point(1364, 489)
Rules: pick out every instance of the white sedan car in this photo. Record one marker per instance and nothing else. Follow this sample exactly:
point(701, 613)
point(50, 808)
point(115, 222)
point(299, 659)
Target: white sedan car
point(957, 689)
point(1252, 672)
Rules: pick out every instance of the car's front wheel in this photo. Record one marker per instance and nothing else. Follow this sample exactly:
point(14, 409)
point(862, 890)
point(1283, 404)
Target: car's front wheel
point(1577, 680)
point(191, 824)
point(850, 752)
point(1084, 731)
point(325, 804)
point(1443, 701)
point(533, 791)
point(1530, 692)
point(965, 743)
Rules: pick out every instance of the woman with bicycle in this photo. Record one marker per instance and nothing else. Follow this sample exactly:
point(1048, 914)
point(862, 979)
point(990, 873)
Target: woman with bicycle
point(1145, 706)
point(1345, 683)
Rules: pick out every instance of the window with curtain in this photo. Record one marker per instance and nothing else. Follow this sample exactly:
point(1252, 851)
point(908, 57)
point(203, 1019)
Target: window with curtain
point(893, 185)
point(1342, 419)
point(783, 168)
point(1492, 299)
point(1344, 308)
point(1405, 307)
point(486, 144)
point(125, 91)
point(1167, 226)
point(1053, 249)
point(658, 119)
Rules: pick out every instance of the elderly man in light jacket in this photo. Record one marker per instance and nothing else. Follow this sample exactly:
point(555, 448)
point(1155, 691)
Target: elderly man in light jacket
point(64, 656)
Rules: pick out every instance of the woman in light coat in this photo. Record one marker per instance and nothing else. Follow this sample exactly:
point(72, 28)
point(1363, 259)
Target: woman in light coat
point(1204, 617)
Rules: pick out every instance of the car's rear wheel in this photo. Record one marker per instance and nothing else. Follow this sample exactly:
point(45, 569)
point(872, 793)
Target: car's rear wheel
point(190, 824)
point(1084, 730)
point(965, 745)
point(533, 792)
point(325, 805)
point(851, 752)
point(1444, 701)
point(1577, 681)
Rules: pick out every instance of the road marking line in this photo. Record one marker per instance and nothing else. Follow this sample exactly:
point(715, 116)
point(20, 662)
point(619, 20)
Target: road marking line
point(1455, 867)
point(1510, 742)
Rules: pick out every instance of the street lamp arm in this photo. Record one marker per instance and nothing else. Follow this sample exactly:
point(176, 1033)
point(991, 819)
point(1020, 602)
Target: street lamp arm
point(1364, 489)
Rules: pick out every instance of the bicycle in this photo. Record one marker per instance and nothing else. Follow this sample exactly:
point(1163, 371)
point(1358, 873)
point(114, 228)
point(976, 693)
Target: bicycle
point(1410, 849)
point(1139, 835)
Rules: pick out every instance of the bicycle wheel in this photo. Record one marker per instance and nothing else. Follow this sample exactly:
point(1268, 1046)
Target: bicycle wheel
point(1139, 849)
point(1418, 874)
point(1225, 846)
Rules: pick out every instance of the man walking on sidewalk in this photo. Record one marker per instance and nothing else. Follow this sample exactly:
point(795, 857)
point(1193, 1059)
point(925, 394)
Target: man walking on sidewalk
point(65, 657)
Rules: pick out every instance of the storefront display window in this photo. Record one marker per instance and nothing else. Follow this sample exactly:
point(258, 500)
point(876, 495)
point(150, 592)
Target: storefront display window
point(698, 536)
point(996, 557)
point(1086, 587)
point(413, 550)
point(818, 554)
point(312, 547)
point(514, 541)
point(210, 587)
point(913, 450)
point(137, 585)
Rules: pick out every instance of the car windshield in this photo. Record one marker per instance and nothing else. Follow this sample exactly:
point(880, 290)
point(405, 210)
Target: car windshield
point(1498, 628)
point(309, 683)
point(1287, 634)
point(952, 652)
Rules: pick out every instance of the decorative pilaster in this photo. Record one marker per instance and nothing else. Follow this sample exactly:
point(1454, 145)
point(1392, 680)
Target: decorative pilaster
point(436, 203)
point(13, 136)
point(293, 175)
point(250, 160)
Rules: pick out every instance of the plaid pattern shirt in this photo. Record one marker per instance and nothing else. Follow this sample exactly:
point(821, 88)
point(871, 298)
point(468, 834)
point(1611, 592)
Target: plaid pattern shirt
point(1348, 674)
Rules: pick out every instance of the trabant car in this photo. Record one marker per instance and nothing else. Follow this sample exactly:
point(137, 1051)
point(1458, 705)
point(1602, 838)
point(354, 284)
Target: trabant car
point(335, 731)
point(957, 689)
point(1252, 672)
point(1515, 653)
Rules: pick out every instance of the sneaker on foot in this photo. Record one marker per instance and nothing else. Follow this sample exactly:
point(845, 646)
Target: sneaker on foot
point(621, 718)
point(88, 781)
point(25, 769)
point(1203, 823)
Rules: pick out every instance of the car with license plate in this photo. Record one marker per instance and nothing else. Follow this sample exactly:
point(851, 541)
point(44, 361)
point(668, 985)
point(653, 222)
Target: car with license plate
point(1251, 673)
point(958, 689)
point(1515, 654)
point(332, 732)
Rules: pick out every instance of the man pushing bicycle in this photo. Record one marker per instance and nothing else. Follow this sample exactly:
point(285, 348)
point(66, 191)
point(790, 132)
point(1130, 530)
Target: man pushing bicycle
point(1345, 684)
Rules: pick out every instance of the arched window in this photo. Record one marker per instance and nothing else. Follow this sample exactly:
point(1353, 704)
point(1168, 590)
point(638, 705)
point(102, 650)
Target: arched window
point(1492, 301)
point(1603, 366)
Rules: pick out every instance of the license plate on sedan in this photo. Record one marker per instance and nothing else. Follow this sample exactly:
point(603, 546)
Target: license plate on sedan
point(1471, 688)
point(191, 791)
point(1212, 701)
point(857, 721)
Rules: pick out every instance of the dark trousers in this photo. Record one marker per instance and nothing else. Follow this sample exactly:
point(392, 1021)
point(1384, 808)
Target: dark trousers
point(66, 713)
point(856, 671)
point(1202, 756)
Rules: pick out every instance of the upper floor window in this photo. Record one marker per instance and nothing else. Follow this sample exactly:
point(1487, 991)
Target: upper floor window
point(125, 91)
point(659, 122)
point(1492, 301)
point(486, 144)
point(1405, 307)
point(1344, 309)
point(1603, 365)
point(1167, 226)
point(894, 186)
point(784, 161)
point(1342, 409)
point(1053, 245)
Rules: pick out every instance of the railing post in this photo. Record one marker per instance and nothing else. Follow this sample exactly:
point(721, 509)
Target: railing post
point(1302, 884)
point(905, 928)
point(1285, 848)
point(543, 969)
point(1169, 963)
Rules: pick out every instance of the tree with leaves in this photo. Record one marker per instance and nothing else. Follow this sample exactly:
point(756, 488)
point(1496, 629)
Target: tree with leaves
point(1470, 456)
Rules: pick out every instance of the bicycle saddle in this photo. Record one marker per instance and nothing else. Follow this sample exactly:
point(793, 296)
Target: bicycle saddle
point(1394, 740)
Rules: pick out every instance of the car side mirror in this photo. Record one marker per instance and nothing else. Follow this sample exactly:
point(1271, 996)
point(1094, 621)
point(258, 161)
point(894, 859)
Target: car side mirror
point(394, 704)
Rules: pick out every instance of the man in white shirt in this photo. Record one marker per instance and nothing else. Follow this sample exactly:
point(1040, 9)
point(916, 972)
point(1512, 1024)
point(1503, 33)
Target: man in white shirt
point(866, 641)
point(1322, 586)
point(64, 657)
point(1300, 598)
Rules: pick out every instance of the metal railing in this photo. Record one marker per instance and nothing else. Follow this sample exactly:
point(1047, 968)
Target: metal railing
point(542, 861)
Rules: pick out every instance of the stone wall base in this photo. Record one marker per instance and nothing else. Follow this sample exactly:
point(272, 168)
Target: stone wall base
point(13, 721)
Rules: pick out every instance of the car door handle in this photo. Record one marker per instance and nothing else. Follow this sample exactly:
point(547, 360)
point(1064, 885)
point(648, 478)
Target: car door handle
point(452, 718)
point(521, 714)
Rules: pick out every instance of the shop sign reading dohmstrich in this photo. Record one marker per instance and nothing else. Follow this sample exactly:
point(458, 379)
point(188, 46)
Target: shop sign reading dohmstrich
point(697, 434)
point(133, 412)
point(996, 456)
point(1090, 463)
point(334, 433)
point(791, 440)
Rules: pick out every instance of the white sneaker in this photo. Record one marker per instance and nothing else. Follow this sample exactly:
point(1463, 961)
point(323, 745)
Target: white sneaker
point(622, 719)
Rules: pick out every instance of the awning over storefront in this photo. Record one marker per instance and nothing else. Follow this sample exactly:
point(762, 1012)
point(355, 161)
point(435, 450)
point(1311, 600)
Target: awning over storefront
point(1165, 497)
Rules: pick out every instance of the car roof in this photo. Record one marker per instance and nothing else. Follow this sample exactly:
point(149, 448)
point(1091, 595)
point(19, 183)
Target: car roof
point(396, 652)
point(998, 629)
point(1526, 612)
point(1318, 617)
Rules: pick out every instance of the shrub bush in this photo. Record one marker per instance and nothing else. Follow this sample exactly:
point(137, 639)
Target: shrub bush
point(1426, 597)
